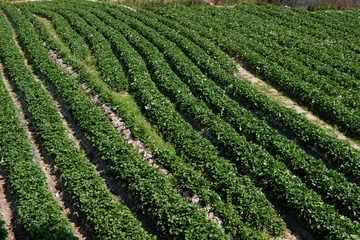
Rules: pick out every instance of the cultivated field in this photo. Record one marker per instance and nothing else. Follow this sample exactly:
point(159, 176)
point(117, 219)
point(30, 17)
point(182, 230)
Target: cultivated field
point(178, 122)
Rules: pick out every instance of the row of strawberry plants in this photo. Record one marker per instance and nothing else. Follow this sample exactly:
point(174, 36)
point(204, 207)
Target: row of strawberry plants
point(310, 34)
point(211, 49)
point(337, 152)
point(343, 78)
point(339, 19)
point(323, 30)
point(255, 27)
point(308, 94)
point(349, 19)
point(175, 164)
point(76, 44)
point(312, 70)
point(191, 148)
point(323, 76)
point(275, 66)
point(334, 22)
point(267, 214)
point(336, 190)
point(185, 177)
point(249, 154)
point(285, 17)
point(38, 212)
point(199, 113)
point(110, 69)
point(161, 71)
point(173, 215)
point(42, 30)
point(321, 81)
point(333, 54)
point(336, 17)
point(207, 65)
point(107, 218)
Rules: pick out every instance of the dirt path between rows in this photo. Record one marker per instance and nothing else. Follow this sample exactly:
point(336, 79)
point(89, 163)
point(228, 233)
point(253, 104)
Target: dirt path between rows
point(283, 100)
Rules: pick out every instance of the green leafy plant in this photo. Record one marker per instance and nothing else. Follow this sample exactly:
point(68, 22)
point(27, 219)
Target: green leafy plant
point(337, 152)
point(107, 217)
point(173, 214)
point(39, 213)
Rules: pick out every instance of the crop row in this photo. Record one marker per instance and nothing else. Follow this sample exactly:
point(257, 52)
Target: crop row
point(187, 129)
point(161, 73)
point(160, 70)
point(76, 44)
point(173, 215)
point(184, 177)
point(316, 99)
point(343, 23)
point(222, 59)
point(42, 31)
point(211, 49)
point(309, 33)
point(39, 213)
point(338, 20)
point(146, 90)
point(245, 19)
point(122, 18)
point(110, 68)
point(337, 152)
point(324, 30)
point(333, 54)
point(336, 189)
point(246, 154)
point(355, 229)
point(336, 84)
point(105, 215)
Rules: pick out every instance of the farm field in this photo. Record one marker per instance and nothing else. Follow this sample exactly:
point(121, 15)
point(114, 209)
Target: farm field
point(196, 122)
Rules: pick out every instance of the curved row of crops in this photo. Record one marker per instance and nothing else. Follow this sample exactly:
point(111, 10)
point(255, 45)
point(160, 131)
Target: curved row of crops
point(281, 69)
point(174, 63)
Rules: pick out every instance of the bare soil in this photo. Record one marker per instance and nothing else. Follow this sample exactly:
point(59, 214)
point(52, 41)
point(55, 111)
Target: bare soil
point(289, 235)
